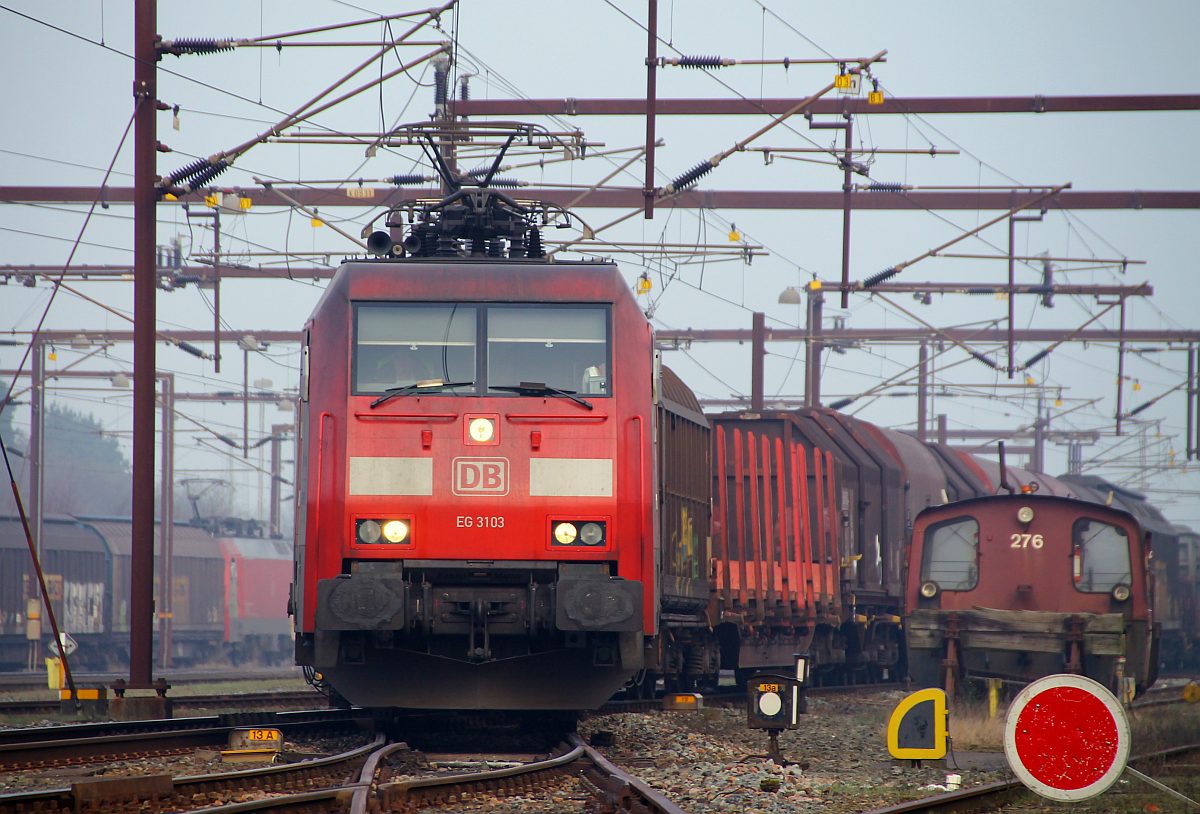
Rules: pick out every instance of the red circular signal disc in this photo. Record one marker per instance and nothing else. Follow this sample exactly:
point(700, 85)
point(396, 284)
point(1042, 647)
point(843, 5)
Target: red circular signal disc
point(1066, 737)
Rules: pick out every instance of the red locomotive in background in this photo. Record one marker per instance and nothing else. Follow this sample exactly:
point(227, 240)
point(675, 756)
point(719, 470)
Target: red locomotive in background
point(505, 502)
point(1021, 586)
point(228, 592)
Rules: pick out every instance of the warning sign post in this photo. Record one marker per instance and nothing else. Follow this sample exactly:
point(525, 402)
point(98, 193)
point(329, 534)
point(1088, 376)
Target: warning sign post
point(1066, 737)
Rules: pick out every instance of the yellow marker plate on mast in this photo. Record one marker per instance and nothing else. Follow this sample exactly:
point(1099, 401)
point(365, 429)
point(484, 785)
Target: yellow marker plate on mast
point(918, 726)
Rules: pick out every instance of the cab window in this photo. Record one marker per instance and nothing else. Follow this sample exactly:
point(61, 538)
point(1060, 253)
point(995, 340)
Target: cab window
point(400, 344)
point(951, 554)
point(1189, 551)
point(560, 346)
point(1103, 553)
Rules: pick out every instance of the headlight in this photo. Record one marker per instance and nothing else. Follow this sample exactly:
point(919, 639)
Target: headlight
point(929, 589)
point(578, 533)
point(481, 430)
point(383, 532)
point(369, 531)
point(1120, 593)
point(1025, 514)
point(395, 531)
point(591, 534)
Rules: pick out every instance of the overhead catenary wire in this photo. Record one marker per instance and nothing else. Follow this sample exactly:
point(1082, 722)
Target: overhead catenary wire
point(83, 228)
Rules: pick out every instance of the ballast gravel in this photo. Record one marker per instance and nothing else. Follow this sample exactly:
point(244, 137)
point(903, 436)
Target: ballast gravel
point(709, 762)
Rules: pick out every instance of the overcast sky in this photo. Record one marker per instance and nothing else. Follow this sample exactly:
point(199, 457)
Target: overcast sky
point(67, 102)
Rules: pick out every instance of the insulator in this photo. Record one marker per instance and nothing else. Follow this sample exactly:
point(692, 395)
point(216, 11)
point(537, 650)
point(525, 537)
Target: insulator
point(194, 45)
point(409, 179)
point(447, 247)
point(206, 175)
point(464, 89)
point(840, 403)
point(976, 290)
point(478, 246)
point(441, 78)
point(701, 62)
point(196, 174)
point(516, 246)
point(504, 183)
point(188, 347)
point(186, 171)
point(977, 355)
point(692, 176)
point(497, 182)
point(534, 247)
point(1137, 410)
point(883, 276)
point(1037, 357)
point(495, 248)
point(1048, 282)
point(885, 186)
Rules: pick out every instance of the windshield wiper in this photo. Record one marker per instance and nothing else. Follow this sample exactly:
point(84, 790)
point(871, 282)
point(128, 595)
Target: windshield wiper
point(540, 389)
point(425, 386)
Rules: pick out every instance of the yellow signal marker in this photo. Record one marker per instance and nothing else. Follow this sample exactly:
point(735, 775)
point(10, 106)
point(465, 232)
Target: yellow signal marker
point(918, 726)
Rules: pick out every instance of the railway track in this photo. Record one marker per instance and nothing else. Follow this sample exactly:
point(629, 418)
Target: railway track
point(334, 777)
point(41, 747)
point(1013, 798)
point(246, 701)
point(384, 777)
point(363, 779)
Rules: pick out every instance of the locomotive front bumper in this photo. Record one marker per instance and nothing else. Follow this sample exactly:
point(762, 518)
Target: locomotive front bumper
point(577, 600)
point(508, 635)
point(361, 602)
point(1017, 645)
point(600, 604)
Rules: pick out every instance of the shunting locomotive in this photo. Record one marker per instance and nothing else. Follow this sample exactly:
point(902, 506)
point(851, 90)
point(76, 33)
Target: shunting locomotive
point(1019, 586)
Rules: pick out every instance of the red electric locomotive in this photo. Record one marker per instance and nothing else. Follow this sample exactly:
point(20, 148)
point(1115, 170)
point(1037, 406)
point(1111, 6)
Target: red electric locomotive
point(1019, 586)
point(476, 520)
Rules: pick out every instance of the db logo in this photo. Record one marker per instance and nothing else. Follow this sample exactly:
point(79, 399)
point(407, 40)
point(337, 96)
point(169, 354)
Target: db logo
point(481, 476)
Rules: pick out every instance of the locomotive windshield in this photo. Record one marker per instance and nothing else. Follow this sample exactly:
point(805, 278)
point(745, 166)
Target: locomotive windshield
point(397, 345)
point(1104, 555)
point(485, 347)
point(951, 554)
point(561, 347)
